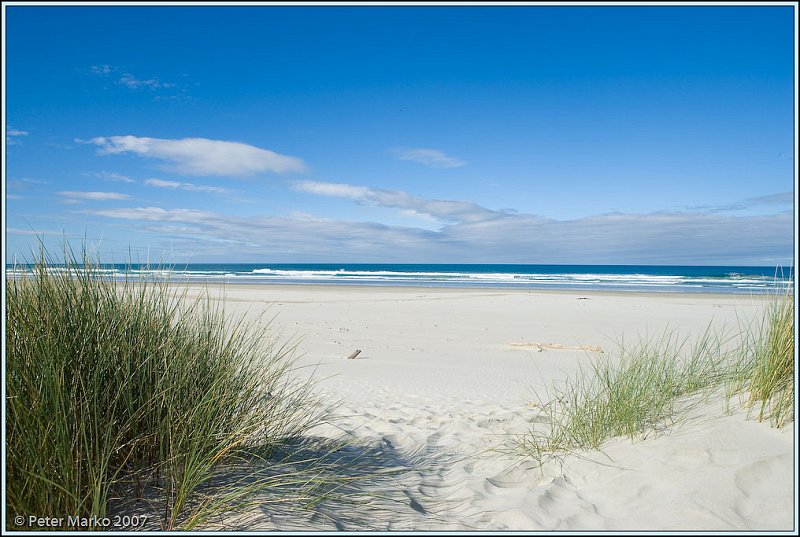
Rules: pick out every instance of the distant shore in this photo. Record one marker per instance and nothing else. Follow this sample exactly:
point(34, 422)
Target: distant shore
point(634, 278)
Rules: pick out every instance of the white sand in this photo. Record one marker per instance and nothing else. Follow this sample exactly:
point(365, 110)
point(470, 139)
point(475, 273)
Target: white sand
point(446, 377)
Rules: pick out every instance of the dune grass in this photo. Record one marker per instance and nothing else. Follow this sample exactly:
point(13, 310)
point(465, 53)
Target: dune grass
point(766, 367)
point(653, 382)
point(633, 396)
point(123, 391)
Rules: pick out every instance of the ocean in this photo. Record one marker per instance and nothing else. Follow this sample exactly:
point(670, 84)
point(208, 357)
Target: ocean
point(681, 279)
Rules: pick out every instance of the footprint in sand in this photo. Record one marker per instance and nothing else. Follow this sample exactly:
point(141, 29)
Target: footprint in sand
point(688, 458)
point(441, 489)
point(561, 500)
point(519, 475)
point(765, 489)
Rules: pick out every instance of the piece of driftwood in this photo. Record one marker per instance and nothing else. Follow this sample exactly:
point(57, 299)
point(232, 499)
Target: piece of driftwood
point(352, 356)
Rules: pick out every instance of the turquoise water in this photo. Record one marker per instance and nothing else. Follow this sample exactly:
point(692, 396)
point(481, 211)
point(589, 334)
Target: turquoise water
point(699, 279)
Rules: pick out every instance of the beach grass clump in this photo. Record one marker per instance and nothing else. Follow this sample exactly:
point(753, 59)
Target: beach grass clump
point(632, 396)
point(766, 367)
point(120, 392)
point(652, 383)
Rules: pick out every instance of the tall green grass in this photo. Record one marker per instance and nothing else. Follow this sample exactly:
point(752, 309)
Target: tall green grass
point(634, 395)
point(126, 391)
point(766, 368)
point(653, 382)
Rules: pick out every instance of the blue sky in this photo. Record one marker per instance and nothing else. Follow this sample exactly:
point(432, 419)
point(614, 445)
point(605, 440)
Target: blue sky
point(454, 134)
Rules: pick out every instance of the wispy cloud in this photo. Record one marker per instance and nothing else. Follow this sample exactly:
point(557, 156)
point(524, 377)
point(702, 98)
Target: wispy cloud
point(690, 238)
point(13, 135)
point(662, 238)
point(783, 198)
point(102, 70)
point(201, 156)
point(24, 183)
point(444, 210)
point(470, 233)
point(168, 229)
point(129, 80)
point(15, 186)
point(301, 235)
point(433, 158)
point(132, 82)
point(191, 187)
point(157, 214)
point(16, 231)
point(113, 176)
point(75, 196)
point(339, 190)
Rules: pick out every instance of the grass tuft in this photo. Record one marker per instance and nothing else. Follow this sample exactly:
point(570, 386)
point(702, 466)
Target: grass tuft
point(766, 367)
point(652, 383)
point(632, 396)
point(119, 392)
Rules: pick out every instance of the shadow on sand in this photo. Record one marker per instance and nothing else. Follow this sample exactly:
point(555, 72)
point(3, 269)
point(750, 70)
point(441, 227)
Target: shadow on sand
point(309, 484)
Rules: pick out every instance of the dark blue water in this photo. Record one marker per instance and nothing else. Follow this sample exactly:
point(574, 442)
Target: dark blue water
point(718, 279)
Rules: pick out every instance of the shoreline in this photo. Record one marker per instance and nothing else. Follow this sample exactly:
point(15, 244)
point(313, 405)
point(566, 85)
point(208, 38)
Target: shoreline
point(378, 288)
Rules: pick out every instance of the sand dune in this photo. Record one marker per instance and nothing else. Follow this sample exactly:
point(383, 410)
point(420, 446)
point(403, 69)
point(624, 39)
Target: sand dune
point(441, 387)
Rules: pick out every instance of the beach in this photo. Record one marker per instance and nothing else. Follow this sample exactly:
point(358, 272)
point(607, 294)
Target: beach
point(445, 379)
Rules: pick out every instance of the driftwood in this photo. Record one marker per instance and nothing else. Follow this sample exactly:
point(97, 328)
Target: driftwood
point(352, 356)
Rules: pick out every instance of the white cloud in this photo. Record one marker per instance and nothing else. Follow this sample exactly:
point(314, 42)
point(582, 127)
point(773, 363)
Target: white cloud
point(115, 177)
point(191, 187)
point(163, 184)
point(339, 190)
point(103, 70)
point(307, 236)
point(131, 82)
point(12, 136)
point(201, 156)
point(23, 184)
point(156, 214)
point(659, 238)
point(445, 210)
point(95, 196)
point(615, 238)
point(432, 158)
point(16, 231)
point(664, 238)
point(174, 230)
